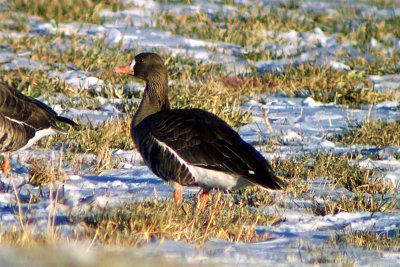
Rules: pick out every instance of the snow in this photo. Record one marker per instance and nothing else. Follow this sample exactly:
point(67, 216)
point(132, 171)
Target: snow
point(80, 79)
point(302, 124)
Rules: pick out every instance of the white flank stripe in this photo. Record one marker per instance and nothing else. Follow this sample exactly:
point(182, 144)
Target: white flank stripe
point(13, 120)
point(173, 152)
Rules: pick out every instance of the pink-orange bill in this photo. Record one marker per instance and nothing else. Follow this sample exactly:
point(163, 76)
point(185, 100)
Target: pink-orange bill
point(123, 70)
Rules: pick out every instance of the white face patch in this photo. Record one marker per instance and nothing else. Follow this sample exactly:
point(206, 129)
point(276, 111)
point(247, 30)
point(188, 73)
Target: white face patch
point(132, 65)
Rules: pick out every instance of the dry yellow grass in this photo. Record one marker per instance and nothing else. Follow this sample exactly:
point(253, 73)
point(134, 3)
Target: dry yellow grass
point(141, 222)
point(383, 241)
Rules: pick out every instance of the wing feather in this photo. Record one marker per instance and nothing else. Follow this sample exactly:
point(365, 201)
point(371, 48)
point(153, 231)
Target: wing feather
point(27, 110)
point(202, 139)
point(14, 136)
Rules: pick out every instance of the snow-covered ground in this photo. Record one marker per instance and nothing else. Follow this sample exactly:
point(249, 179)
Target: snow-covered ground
point(301, 123)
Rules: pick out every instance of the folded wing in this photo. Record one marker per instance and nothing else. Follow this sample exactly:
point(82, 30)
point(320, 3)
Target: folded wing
point(202, 139)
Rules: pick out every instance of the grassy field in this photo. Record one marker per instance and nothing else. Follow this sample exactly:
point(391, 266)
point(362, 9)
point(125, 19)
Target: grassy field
point(210, 88)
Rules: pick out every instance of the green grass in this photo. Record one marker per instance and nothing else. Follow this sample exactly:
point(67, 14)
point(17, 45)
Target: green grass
point(322, 83)
point(190, 92)
point(247, 29)
point(89, 139)
point(340, 170)
point(138, 223)
point(384, 3)
point(326, 85)
point(249, 26)
point(360, 202)
point(371, 194)
point(374, 133)
point(67, 11)
point(33, 83)
point(371, 240)
point(97, 141)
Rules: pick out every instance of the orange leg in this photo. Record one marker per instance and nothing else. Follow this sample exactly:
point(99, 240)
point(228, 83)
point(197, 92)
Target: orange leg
point(178, 192)
point(203, 199)
point(5, 166)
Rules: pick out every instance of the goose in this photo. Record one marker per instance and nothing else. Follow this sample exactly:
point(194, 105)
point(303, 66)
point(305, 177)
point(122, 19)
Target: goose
point(190, 147)
point(23, 121)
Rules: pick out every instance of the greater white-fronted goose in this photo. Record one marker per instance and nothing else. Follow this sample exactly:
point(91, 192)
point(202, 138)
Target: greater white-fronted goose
point(190, 147)
point(23, 121)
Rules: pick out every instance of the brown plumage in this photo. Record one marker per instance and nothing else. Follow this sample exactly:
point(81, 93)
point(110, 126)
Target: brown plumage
point(191, 147)
point(24, 120)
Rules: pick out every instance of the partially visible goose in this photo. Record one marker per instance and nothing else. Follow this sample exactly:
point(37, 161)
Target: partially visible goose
point(23, 121)
point(190, 147)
